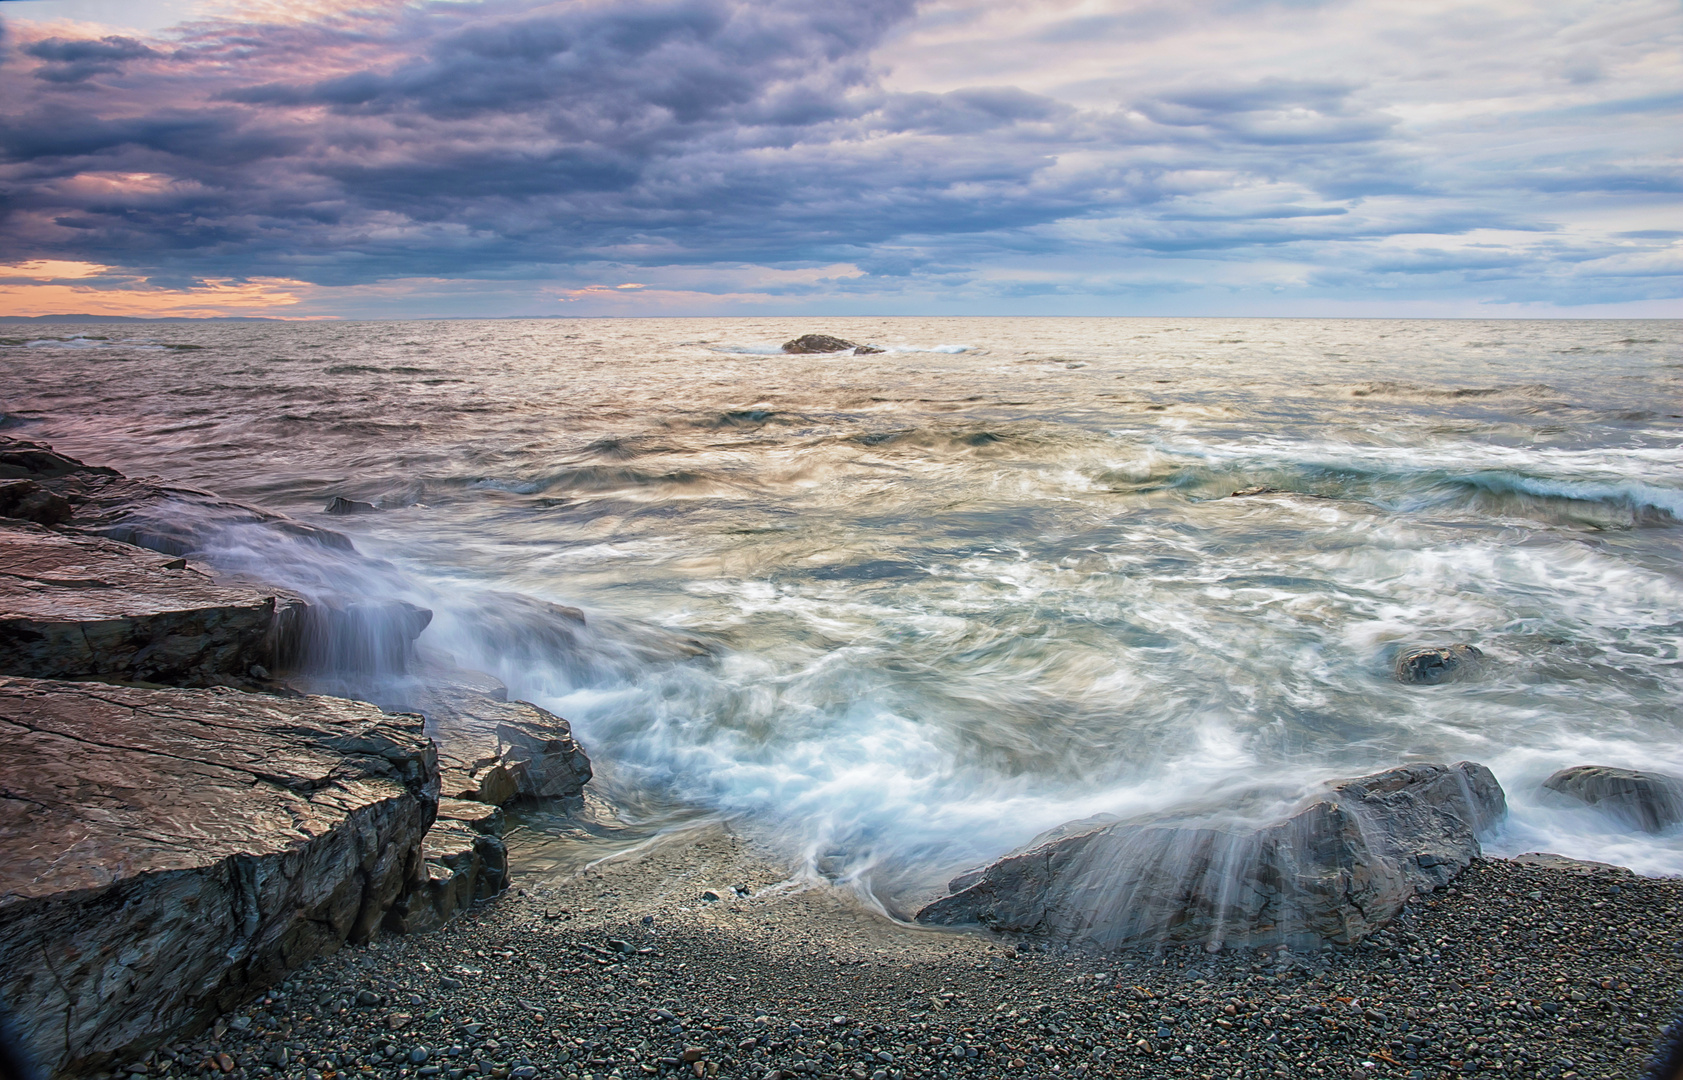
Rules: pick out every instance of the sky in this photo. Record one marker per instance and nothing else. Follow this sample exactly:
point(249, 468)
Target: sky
point(463, 158)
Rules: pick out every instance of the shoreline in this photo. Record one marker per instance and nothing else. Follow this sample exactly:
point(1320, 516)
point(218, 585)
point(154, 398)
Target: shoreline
point(1514, 970)
point(1509, 968)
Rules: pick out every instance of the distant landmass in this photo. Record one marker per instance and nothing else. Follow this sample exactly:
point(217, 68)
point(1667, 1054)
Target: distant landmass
point(135, 318)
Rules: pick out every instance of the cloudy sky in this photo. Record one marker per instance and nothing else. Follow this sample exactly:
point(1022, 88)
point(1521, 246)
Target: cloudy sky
point(395, 158)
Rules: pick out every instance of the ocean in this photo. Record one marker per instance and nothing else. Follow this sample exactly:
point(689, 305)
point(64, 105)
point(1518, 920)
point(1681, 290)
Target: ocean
point(901, 612)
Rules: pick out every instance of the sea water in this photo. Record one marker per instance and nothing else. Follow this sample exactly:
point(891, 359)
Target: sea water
point(903, 611)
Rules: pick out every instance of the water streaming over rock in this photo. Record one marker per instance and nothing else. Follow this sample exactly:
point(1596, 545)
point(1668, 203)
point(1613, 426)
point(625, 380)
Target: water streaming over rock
point(910, 609)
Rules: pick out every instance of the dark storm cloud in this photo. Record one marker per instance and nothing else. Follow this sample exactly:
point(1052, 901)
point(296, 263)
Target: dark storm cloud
point(522, 137)
point(71, 61)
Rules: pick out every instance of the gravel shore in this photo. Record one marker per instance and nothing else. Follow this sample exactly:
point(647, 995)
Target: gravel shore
point(630, 970)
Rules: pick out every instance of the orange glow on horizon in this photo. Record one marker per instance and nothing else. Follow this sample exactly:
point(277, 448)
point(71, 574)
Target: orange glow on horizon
point(214, 298)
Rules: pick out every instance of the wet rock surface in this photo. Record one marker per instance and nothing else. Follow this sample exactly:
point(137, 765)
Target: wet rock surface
point(824, 343)
point(494, 751)
point(1511, 971)
point(147, 513)
point(79, 606)
point(1648, 801)
point(1429, 667)
point(161, 851)
point(1336, 869)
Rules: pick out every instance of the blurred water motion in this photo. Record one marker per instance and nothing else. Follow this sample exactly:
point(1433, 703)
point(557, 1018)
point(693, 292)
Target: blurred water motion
point(908, 610)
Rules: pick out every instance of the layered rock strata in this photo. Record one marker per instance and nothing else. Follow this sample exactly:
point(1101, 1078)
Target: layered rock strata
point(80, 606)
point(147, 513)
point(1335, 869)
point(163, 850)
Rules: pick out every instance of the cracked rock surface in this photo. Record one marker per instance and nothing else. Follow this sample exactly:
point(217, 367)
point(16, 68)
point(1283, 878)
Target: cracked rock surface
point(163, 850)
point(77, 606)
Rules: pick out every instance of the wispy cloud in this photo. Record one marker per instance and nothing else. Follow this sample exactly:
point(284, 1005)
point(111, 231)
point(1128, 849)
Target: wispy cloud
point(951, 155)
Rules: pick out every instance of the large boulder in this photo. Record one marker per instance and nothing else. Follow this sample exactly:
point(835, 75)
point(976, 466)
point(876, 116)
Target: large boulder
point(80, 606)
point(148, 513)
point(1649, 801)
point(1335, 869)
point(163, 852)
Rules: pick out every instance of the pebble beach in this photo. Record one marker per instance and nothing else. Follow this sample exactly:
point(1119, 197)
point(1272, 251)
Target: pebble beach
point(698, 958)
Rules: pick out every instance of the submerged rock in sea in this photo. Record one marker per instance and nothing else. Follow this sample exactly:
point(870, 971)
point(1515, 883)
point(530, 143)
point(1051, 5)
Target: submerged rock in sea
point(824, 343)
point(80, 606)
point(1428, 667)
point(170, 518)
point(163, 851)
point(1334, 869)
point(1649, 801)
point(342, 505)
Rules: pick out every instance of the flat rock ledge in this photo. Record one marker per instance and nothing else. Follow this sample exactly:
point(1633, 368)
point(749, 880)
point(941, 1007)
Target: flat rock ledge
point(98, 501)
point(164, 851)
point(82, 606)
point(1336, 869)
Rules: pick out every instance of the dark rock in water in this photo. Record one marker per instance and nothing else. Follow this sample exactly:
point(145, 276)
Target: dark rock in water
point(82, 606)
point(1263, 489)
point(342, 505)
point(818, 343)
point(1649, 801)
point(163, 852)
point(147, 513)
point(1335, 869)
point(1428, 667)
point(866, 350)
point(28, 501)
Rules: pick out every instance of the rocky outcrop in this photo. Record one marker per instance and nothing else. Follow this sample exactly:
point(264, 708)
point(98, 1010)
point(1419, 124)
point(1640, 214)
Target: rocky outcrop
point(1335, 869)
point(466, 861)
point(26, 500)
point(1649, 801)
point(338, 638)
point(495, 751)
point(148, 513)
point(162, 851)
point(78, 606)
point(824, 343)
point(1429, 667)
